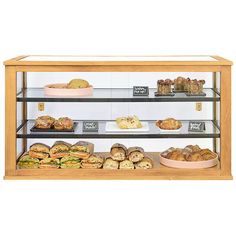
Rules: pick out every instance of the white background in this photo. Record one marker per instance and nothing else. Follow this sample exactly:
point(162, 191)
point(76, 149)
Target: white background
point(116, 28)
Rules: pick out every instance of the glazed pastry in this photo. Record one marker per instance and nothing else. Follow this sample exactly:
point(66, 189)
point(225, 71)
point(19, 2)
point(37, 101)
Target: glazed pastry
point(146, 163)
point(176, 155)
point(93, 162)
point(191, 148)
point(180, 84)
point(82, 149)
point(164, 87)
point(49, 163)
point(118, 152)
point(110, 164)
point(165, 153)
point(27, 162)
point(44, 122)
point(63, 123)
point(60, 149)
point(130, 122)
point(39, 150)
point(207, 154)
point(169, 124)
point(135, 154)
point(77, 83)
point(70, 162)
point(126, 165)
point(195, 86)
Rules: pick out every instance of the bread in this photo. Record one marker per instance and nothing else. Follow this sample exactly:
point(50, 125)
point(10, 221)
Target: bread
point(60, 149)
point(49, 163)
point(77, 83)
point(44, 122)
point(82, 149)
point(126, 165)
point(164, 87)
point(169, 124)
point(118, 152)
point(146, 163)
point(93, 162)
point(135, 154)
point(39, 150)
point(130, 122)
point(63, 123)
point(70, 162)
point(111, 164)
point(27, 162)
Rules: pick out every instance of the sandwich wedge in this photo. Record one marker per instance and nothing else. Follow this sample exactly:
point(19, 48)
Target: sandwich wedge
point(49, 163)
point(59, 149)
point(39, 150)
point(82, 150)
point(70, 162)
point(27, 162)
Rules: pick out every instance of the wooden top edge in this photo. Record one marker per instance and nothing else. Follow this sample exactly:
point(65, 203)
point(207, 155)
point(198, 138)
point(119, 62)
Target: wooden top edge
point(219, 61)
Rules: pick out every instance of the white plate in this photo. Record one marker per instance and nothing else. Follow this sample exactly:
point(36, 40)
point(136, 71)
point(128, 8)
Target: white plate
point(112, 127)
point(169, 130)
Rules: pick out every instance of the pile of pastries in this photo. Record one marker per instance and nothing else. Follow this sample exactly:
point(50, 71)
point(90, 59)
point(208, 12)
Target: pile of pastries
point(189, 153)
point(180, 84)
point(48, 122)
point(129, 122)
point(81, 155)
point(73, 84)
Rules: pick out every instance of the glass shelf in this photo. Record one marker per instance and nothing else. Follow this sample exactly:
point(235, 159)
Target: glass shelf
point(211, 131)
point(114, 95)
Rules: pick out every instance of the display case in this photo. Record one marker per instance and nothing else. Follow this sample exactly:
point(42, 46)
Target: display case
point(115, 82)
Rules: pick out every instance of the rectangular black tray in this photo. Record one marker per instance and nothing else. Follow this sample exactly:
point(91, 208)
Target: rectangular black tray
point(33, 129)
point(164, 95)
point(195, 95)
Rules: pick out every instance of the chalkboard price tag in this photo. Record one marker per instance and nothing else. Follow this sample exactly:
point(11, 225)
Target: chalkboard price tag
point(140, 91)
point(90, 126)
point(196, 126)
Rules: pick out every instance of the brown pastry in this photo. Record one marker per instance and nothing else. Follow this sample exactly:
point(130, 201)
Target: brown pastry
point(176, 155)
point(118, 152)
point(39, 150)
point(146, 163)
point(63, 123)
point(135, 154)
point(195, 87)
point(93, 162)
point(180, 84)
point(110, 164)
point(169, 124)
point(44, 122)
point(126, 165)
point(207, 154)
point(194, 156)
point(164, 86)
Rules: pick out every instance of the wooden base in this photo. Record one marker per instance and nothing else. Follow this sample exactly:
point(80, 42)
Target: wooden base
point(159, 172)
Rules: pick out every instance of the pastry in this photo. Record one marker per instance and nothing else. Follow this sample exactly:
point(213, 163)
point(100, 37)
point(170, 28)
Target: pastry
point(176, 155)
point(59, 149)
point(39, 150)
point(118, 152)
point(27, 162)
point(169, 124)
point(207, 154)
point(77, 83)
point(82, 149)
point(146, 163)
point(135, 154)
point(180, 84)
point(70, 162)
point(130, 122)
point(110, 164)
point(93, 162)
point(49, 163)
point(44, 122)
point(164, 87)
point(63, 123)
point(195, 87)
point(126, 165)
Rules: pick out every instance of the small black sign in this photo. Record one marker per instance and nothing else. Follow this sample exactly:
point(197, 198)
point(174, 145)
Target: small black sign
point(90, 126)
point(196, 126)
point(140, 91)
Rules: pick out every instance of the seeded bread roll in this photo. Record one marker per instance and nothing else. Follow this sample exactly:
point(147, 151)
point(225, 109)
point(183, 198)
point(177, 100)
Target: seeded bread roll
point(110, 164)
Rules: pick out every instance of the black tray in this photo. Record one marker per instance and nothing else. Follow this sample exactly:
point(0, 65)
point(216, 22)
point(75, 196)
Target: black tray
point(180, 91)
point(164, 95)
point(195, 95)
point(33, 129)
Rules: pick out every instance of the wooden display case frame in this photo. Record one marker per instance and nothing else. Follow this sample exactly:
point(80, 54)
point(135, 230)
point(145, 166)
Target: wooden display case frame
point(12, 66)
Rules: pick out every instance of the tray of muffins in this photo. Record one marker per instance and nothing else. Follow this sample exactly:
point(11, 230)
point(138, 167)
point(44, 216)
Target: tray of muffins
point(191, 87)
point(50, 124)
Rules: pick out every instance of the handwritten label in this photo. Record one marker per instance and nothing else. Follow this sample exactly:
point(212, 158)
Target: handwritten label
point(90, 126)
point(140, 91)
point(196, 126)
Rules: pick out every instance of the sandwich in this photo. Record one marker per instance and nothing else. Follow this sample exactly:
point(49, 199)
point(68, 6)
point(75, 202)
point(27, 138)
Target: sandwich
point(27, 162)
point(135, 154)
point(49, 163)
point(39, 150)
point(77, 83)
point(126, 165)
point(63, 123)
point(93, 162)
point(70, 162)
point(111, 164)
point(82, 150)
point(146, 163)
point(59, 149)
point(118, 152)
point(44, 122)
